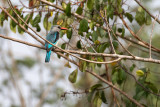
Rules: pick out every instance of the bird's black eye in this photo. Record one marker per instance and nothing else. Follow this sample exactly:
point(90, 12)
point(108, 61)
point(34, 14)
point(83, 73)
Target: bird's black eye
point(59, 27)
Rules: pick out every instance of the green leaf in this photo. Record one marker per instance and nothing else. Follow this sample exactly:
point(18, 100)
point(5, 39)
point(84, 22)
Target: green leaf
point(80, 33)
point(139, 95)
point(90, 4)
point(68, 10)
point(73, 76)
point(103, 97)
point(101, 32)
point(103, 47)
point(20, 30)
point(82, 65)
point(110, 11)
point(2, 18)
point(36, 20)
point(99, 59)
point(153, 87)
point(55, 19)
point(94, 87)
point(88, 34)
point(94, 36)
point(79, 10)
point(61, 33)
point(129, 16)
point(122, 74)
point(148, 19)
point(46, 24)
point(83, 27)
point(114, 28)
point(118, 76)
point(91, 65)
point(13, 26)
point(28, 18)
point(115, 44)
point(123, 32)
point(140, 16)
point(69, 21)
point(97, 102)
point(79, 45)
point(27, 61)
point(69, 33)
point(63, 46)
point(120, 10)
point(114, 77)
point(90, 96)
point(38, 28)
point(91, 25)
point(52, 1)
point(18, 11)
point(132, 67)
point(97, 4)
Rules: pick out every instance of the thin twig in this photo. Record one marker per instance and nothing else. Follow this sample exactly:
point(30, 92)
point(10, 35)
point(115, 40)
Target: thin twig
point(150, 42)
point(108, 79)
point(109, 34)
point(82, 92)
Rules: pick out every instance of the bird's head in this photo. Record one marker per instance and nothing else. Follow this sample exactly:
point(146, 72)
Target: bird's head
point(57, 28)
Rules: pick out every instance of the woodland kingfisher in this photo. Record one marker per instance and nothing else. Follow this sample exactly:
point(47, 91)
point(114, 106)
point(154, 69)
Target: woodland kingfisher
point(52, 37)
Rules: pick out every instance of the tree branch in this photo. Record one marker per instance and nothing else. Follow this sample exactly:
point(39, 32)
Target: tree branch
point(91, 54)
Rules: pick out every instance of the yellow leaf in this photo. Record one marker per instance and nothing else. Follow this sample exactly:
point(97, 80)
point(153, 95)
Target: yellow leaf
point(102, 13)
point(97, 42)
point(140, 73)
point(64, 5)
point(51, 13)
point(60, 22)
point(67, 65)
point(114, 63)
point(67, 55)
point(46, 7)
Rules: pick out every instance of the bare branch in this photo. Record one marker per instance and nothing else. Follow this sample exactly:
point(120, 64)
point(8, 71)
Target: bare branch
point(150, 42)
point(91, 54)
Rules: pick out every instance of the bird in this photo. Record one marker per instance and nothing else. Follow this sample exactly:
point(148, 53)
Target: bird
point(52, 37)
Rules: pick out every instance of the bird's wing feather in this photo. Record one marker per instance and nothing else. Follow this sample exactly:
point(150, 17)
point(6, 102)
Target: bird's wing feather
point(53, 38)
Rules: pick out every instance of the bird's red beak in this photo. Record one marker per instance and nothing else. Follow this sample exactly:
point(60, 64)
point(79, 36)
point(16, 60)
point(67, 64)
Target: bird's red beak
point(63, 28)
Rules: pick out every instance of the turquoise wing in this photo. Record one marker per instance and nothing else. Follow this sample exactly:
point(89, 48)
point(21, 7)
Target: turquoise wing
point(53, 38)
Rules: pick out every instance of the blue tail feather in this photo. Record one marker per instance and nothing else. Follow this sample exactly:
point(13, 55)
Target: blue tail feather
point(48, 55)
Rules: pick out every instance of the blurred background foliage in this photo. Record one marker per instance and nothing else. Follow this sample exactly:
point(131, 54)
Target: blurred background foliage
point(24, 67)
